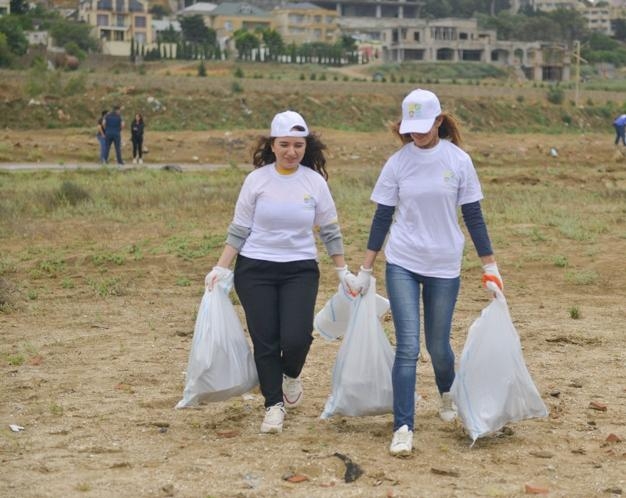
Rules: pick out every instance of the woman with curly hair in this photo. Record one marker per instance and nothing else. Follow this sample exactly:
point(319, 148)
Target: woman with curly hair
point(282, 203)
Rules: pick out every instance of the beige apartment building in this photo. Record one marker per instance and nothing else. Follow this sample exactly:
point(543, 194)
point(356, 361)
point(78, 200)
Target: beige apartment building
point(305, 23)
point(404, 40)
point(117, 22)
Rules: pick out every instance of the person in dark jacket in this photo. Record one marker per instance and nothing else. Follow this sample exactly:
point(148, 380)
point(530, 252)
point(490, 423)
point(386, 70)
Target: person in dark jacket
point(113, 125)
point(136, 136)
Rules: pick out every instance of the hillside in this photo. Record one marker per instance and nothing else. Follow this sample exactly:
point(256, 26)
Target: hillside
point(173, 97)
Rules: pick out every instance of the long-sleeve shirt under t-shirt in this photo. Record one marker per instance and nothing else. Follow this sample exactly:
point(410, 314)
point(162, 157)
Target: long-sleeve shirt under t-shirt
point(426, 186)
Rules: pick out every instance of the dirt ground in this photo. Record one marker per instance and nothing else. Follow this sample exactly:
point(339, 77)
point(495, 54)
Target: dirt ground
point(96, 394)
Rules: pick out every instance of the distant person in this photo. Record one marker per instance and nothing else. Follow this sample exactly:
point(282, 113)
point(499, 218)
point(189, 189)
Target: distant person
point(620, 124)
point(272, 239)
point(417, 193)
point(100, 135)
point(136, 136)
point(113, 125)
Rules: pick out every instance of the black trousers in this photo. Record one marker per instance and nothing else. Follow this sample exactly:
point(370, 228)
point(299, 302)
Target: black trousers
point(137, 147)
point(279, 303)
point(619, 134)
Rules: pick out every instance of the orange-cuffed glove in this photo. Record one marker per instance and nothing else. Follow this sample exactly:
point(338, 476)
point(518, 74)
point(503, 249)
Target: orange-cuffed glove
point(491, 274)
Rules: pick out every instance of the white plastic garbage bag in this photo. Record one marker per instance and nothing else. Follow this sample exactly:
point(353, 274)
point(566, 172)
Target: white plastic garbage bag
point(492, 386)
point(332, 320)
point(221, 364)
point(362, 373)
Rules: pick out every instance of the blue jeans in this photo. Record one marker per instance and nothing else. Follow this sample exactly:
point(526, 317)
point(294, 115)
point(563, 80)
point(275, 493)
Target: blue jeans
point(439, 298)
point(116, 140)
point(103, 143)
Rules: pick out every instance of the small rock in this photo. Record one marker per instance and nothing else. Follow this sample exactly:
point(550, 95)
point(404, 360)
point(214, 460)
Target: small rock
point(542, 454)
point(529, 489)
point(445, 472)
point(595, 405)
point(296, 478)
point(613, 438)
point(614, 490)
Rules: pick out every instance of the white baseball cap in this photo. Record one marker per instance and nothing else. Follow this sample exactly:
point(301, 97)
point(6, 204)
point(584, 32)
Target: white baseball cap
point(420, 108)
point(288, 124)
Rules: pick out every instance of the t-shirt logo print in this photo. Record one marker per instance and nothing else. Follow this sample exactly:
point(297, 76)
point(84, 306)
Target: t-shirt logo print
point(414, 109)
point(309, 201)
point(448, 175)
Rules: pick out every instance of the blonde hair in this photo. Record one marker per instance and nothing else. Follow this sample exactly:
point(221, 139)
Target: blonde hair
point(448, 130)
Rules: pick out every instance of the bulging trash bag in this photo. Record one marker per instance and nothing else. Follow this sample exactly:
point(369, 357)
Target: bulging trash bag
point(492, 386)
point(362, 373)
point(221, 364)
point(332, 320)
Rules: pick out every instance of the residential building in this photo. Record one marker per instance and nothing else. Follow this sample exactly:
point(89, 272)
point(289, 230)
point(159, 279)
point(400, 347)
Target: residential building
point(229, 17)
point(117, 22)
point(305, 23)
point(402, 40)
point(549, 5)
point(598, 19)
point(5, 7)
point(197, 9)
point(399, 9)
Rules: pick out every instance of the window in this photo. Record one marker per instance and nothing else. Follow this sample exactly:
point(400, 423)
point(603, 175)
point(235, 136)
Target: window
point(140, 21)
point(102, 20)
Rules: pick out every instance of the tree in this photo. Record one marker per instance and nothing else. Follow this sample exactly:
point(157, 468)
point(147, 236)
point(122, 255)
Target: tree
point(245, 43)
point(619, 28)
point(6, 57)
point(572, 23)
point(273, 41)
point(15, 38)
point(195, 31)
point(159, 11)
point(169, 35)
point(19, 7)
point(64, 31)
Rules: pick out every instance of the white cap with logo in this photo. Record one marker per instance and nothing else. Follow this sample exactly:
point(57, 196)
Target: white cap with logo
point(288, 124)
point(420, 108)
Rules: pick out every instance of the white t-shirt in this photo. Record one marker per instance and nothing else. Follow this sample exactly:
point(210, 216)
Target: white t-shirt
point(426, 186)
point(282, 211)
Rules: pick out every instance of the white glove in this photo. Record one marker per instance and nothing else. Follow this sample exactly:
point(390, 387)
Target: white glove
point(492, 276)
point(347, 279)
point(217, 274)
point(363, 280)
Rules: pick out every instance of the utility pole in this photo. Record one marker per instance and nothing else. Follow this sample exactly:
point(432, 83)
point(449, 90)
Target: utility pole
point(578, 59)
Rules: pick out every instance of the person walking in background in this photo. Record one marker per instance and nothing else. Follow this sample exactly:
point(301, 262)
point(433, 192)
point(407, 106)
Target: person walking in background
point(276, 273)
point(113, 125)
point(620, 124)
point(422, 184)
point(100, 135)
point(136, 136)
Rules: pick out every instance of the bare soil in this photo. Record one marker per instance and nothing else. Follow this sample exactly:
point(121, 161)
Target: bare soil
point(96, 392)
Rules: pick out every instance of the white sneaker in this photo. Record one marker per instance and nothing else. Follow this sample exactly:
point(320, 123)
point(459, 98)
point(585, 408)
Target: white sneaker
point(274, 417)
point(292, 391)
point(134, 160)
point(402, 442)
point(447, 409)
point(140, 161)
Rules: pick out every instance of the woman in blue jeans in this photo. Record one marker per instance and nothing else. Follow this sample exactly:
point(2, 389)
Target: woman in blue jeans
point(417, 193)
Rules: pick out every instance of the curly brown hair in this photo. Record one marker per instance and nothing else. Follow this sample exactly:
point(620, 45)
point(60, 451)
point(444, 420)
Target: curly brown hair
point(263, 155)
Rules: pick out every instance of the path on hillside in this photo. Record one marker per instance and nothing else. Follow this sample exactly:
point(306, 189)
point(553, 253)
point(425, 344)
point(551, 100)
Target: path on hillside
point(73, 166)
